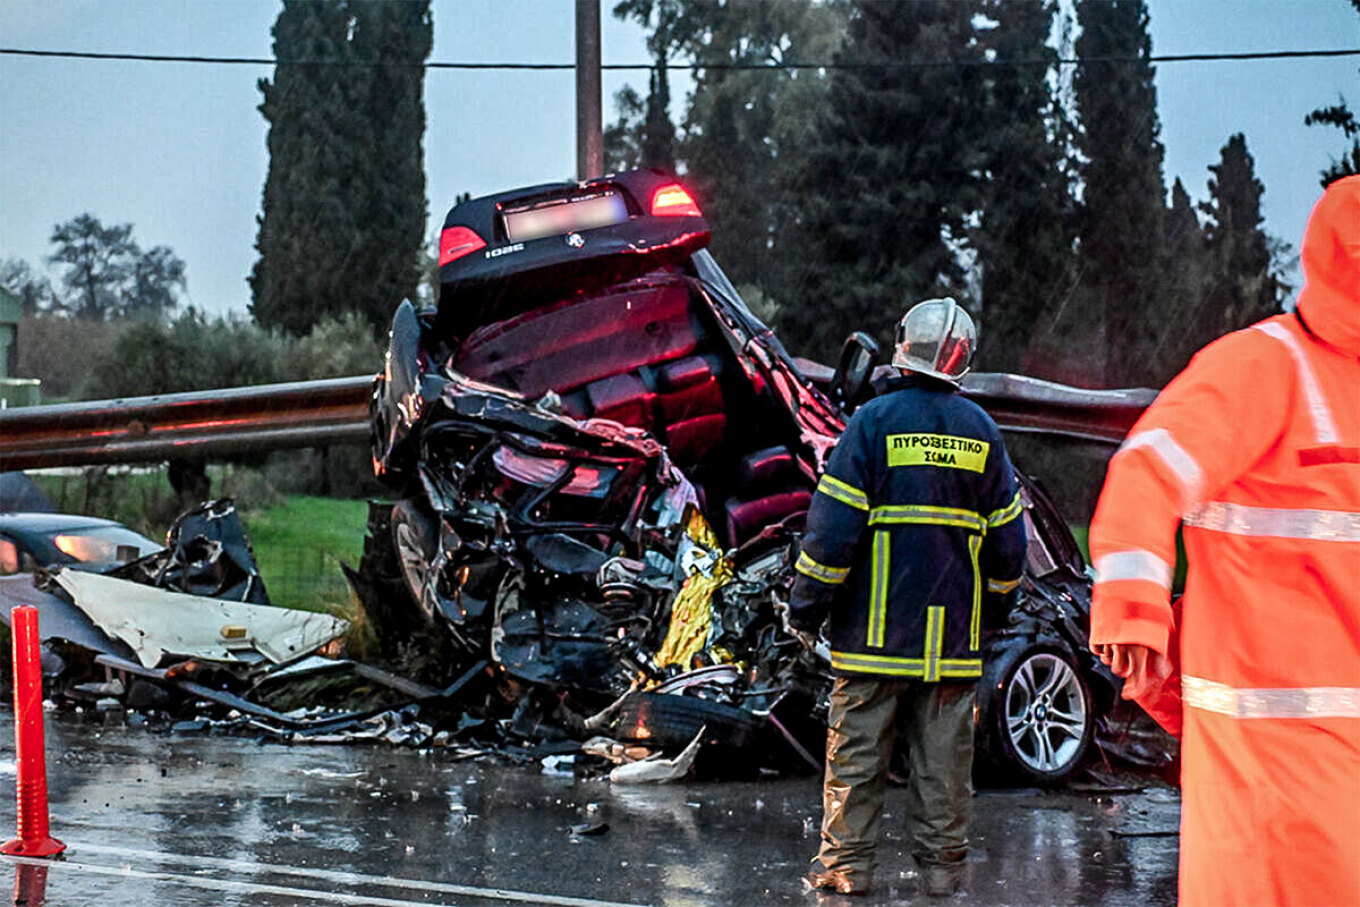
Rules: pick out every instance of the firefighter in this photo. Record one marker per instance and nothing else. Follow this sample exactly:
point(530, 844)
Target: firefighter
point(1254, 449)
point(916, 517)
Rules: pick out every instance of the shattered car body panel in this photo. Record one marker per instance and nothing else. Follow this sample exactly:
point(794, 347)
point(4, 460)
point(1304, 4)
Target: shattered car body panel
point(58, 620)
point(156, 622)
point(206, 553)
point(198, 601)
point(603, 466)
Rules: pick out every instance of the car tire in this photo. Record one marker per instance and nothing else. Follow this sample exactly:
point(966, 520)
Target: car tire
point(1036, 716)
point(673, 719)
point(415, 541)
point(389, 612)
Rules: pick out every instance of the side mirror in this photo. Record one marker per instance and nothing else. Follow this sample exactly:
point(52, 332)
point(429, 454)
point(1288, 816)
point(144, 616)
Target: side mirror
point(403, 351)
point(850, 382)
point(395, 403)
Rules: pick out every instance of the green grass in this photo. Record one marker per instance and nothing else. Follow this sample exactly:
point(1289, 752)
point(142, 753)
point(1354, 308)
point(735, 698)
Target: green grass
point(141, 500)
point(300, 544)
point(1080, 533)
point(300, 541)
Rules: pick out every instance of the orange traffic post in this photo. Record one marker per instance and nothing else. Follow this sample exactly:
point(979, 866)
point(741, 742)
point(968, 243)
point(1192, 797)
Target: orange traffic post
point(30, 760)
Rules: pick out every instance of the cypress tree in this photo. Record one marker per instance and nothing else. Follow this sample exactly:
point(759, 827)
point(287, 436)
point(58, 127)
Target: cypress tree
point(344, 202)
point(1187, 260)
point(1123, 192)
point(1342, 117)
point(394, 39)
point(890, 178)
point(742, 129)
point(658, 145)
point(644, 134)
point(1244, 286)
point(1025, 236)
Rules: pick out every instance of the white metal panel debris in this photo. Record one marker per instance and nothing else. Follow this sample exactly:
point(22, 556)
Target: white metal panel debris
point(154, 621)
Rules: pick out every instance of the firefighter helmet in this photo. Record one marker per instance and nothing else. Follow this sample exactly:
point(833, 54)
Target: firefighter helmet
point(937, 338)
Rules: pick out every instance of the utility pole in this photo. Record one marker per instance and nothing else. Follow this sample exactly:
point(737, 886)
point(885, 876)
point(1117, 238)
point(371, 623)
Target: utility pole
point(589, 117)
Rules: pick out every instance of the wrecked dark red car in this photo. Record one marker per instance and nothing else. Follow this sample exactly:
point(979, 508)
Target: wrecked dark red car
point(603, 460)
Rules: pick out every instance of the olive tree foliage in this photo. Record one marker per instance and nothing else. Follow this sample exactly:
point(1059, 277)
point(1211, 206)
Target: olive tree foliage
point(59, 351)
point(198, 352)
point(343, 214)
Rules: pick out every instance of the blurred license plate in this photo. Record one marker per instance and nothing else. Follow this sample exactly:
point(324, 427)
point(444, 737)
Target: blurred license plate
point(565, 215)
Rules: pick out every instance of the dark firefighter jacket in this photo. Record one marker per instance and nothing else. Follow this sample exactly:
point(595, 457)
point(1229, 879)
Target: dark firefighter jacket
point(914, 527)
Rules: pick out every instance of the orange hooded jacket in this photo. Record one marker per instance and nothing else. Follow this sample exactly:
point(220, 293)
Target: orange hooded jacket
point(1255, 449)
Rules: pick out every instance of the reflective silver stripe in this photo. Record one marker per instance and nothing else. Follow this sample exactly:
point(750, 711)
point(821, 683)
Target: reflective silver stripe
point(831, 575)
point(1005, 514)
point(844, 492)
point(1237, 519)
point(1243, 702)
point(1160, 441)
point(1136, 564)
point(1323, 424)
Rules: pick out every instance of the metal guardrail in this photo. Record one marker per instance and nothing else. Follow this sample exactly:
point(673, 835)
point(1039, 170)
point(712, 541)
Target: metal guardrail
point(1024, 404)
point(215, 423)
point(193, 425)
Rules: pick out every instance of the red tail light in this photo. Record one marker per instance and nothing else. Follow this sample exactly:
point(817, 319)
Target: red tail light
point(455, 242)
point(674, 201)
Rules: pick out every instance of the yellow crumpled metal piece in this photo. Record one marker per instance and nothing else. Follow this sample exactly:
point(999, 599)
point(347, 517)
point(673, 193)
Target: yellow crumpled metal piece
point(692, 609)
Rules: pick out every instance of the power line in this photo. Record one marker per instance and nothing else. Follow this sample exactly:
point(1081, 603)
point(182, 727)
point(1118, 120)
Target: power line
point(643, 67)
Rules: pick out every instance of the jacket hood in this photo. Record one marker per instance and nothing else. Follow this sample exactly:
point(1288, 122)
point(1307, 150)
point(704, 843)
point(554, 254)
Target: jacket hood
point(1329, 302)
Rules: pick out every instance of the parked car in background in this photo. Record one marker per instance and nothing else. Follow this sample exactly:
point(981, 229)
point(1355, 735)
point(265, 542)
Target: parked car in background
point(603, 461)
point(32, 540)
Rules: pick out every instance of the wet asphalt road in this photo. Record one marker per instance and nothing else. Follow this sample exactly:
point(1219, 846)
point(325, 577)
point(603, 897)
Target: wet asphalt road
point(157, 819)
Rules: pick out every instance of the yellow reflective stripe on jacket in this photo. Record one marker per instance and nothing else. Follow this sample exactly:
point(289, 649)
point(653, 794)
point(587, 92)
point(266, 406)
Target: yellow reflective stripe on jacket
point(934, 641)
point(831, 575)
point(879, 570)
point(975, 622)
point(1006, 514)
point(946, 668)
point(1002, 586)
point(898, 514)
point(844, 492)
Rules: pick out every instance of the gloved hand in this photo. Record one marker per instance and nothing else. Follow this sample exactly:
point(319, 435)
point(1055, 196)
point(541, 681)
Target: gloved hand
point(807, 640)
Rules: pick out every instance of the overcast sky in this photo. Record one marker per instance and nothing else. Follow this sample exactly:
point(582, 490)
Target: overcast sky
point(178, 150)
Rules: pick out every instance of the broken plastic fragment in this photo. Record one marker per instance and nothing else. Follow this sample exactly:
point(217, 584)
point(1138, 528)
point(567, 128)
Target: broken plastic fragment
point(658, 770)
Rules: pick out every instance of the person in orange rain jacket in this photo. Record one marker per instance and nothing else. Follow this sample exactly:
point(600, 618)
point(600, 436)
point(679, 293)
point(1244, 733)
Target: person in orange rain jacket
point(1255, 450)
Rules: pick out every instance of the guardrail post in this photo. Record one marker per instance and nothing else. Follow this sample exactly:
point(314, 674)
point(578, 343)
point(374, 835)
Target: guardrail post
point(34, 839)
